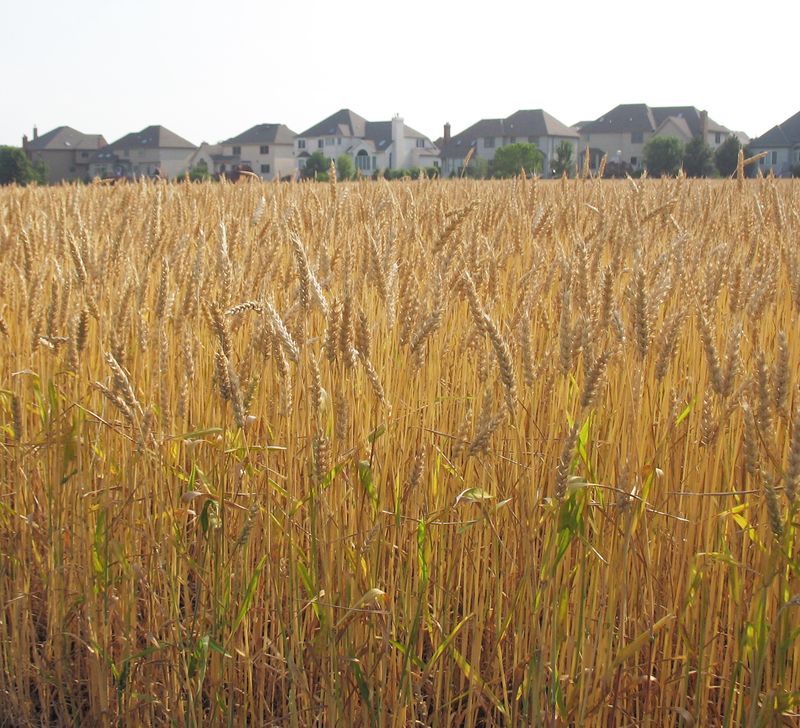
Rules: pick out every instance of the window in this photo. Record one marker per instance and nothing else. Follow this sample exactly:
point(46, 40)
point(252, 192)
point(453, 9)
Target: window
point(320, 143)
point(362, 160)
point(374, 166)
point(512, 140)
point(237, 151)
point(717, 138)
point(533, 140)
point(263, 149)
point(301, 143)
point(264, 169)
point(330, 141)
point(488, 142)
point(774, 157)
point(637, 137)
point(634, 161)
point(420, 143)
point(84, 155)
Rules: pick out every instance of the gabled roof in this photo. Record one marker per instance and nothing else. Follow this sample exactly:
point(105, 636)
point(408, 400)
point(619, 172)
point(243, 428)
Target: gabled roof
point(344, 122)
point(65, 137)
point(690, 114)
point(152, 137)
point(622, 118)
point(264, 134)
point(627, 118)
point(786, 134)
point(521, 124)
point(347, 123)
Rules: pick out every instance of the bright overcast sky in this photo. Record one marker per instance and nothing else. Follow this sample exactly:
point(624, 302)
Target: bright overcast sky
point(209, 70)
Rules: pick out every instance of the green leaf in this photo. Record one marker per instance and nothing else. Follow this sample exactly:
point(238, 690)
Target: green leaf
point(473, 495)
point(376, 433)
point(365, 477)
point(249, 594)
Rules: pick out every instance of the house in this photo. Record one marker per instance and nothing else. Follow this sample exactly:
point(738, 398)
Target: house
point(622, 133)
point(782, 145)
point(153, 151)
point(265, 149)
point(485, 137)
point(373, 145)
point(64, 151)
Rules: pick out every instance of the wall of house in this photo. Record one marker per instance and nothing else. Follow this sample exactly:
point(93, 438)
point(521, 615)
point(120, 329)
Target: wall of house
point(60, 164)
point(779, 160)
point(673, 130)
point(617, 146)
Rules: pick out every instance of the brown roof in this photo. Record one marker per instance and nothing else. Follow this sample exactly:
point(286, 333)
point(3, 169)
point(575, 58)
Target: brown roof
point(65, 137)
point(264, 134)
point(627, 118)
point(522, 124)
point(347, 123)
point(153, 137)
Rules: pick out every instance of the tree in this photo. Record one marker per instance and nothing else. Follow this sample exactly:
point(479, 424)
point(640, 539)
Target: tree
point(15, 168)
point(698, 159)
point(509, 160)
point(726, 157)
point(345, 169)
point(563, 161)
point(316, 167)
point(663, 156)
point(478, 168)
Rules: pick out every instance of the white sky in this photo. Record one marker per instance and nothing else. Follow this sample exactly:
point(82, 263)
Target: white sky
point(209, 70)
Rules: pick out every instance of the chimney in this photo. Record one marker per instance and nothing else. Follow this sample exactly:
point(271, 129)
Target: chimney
point(24, 141)
point(704, 125)
point(398, 143)
point(35, 132)
point(447, 132)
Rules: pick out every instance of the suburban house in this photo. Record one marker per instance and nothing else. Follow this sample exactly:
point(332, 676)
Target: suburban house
point(373, 145)
point(64, 151)
point(782, 145)
point(622, 133)
point(485, 137)
point(265, 149)
point(153, 151)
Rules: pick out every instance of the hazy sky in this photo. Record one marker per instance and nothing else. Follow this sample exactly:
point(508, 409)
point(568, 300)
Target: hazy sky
point(209, 70)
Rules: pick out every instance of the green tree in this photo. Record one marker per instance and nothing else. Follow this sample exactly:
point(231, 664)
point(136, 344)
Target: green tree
point(698, 159)
point(478, 168)
point(316, 167)
point(663, 156)
point(563, 161)
point(16, 168)
point(510, 159)
point(345, 169)
point(726, 157)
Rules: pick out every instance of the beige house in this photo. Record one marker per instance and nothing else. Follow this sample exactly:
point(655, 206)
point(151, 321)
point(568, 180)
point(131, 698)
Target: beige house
point(622, 133)
point(485, 137)
point(64, 151)
point(153, 151)
point(782, 145)
point(265, 149)
point(373, 145)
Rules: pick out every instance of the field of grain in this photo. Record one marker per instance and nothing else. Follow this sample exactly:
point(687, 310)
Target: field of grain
point(410, 454)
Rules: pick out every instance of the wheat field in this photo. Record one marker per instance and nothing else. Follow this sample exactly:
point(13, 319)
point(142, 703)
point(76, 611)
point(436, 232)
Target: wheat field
point(430, 453)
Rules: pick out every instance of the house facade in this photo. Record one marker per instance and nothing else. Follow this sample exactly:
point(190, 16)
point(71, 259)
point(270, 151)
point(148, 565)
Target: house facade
point(782, 145)
point(153, 151)
point(622, 133)
point(373, 145)
point(265, 149)
point(485, 137)
point(64, 151)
